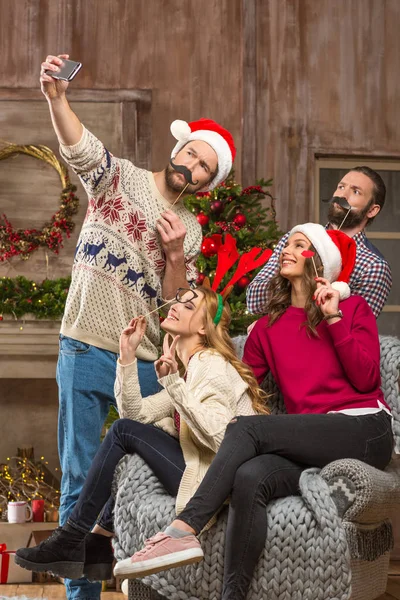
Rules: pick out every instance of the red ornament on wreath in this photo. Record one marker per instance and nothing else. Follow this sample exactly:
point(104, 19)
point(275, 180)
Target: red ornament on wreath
point(243, 282)
point(216, 207)
point(240, 220)
point(209, 247)
point(203, 219)
point(200, 278)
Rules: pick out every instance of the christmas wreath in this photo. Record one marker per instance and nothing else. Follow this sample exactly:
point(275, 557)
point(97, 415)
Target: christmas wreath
point(22, 242)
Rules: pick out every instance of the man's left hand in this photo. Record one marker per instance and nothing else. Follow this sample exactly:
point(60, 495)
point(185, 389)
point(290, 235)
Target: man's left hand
point(172, 232)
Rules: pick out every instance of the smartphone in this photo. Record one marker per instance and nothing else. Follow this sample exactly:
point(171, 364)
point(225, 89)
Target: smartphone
point(67, 71)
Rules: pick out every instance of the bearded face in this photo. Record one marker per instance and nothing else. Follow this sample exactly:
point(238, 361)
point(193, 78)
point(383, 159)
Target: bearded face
point(176, 182)
point(337, 213)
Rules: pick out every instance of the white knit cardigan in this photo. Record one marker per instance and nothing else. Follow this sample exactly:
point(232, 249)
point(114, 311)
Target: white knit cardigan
point(211, 396)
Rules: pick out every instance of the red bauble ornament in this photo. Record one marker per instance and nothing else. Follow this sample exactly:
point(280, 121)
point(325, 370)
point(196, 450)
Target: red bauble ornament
point(202, 219)
point(217, 239)
point(1, 317)
point(216, 207)
point(200, 278)
point(209, 247)
point(239, 220)
point(243, 282)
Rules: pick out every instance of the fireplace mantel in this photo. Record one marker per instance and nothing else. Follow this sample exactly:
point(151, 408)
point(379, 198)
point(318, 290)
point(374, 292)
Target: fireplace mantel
point(28, 347)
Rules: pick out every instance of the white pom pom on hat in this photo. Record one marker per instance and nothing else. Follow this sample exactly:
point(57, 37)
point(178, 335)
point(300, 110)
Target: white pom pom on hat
point(207, 130)
point(343, 288)
point(180, 130)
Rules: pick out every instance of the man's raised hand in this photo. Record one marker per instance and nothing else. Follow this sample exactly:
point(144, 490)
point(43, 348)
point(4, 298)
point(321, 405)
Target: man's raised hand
point(52, 88)
point(172, 232)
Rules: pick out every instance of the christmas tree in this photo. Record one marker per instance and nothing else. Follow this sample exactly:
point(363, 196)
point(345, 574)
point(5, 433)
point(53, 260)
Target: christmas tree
point(245, 214)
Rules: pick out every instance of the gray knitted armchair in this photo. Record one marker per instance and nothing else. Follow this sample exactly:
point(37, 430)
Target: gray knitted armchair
point(331, 542)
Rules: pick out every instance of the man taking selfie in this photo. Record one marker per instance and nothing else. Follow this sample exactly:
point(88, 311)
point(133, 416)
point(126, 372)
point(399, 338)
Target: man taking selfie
point(136, 247)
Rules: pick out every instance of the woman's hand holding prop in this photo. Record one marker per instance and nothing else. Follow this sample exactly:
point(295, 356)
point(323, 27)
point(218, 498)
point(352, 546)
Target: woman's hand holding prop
point(130, 339)
point(326, 297)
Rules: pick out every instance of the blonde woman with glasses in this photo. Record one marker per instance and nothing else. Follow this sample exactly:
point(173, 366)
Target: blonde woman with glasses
point(176, 431)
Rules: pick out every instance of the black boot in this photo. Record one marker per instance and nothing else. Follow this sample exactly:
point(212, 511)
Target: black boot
point(99, 557)
point(63, 553)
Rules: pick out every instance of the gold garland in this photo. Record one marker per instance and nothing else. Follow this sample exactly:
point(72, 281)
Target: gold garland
point(14, 242)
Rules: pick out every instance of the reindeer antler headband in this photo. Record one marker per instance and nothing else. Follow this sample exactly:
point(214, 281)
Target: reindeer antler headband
point(227, 256)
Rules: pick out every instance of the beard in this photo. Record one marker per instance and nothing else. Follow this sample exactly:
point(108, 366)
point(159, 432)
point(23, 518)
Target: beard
point(337, 213)
point(174, 183)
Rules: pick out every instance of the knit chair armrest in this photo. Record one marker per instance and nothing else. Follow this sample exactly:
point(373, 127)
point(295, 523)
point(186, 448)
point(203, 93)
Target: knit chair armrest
point(362, 493)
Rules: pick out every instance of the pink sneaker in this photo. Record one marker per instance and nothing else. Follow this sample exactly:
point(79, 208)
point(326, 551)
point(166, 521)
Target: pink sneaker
point(161, 552)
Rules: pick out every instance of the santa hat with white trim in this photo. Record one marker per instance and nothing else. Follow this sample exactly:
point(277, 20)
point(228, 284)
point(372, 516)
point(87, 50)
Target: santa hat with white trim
point(337, 252)
point(206, 130)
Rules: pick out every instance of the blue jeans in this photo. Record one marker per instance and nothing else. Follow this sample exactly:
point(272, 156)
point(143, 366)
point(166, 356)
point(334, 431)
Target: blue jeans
point(85, 377)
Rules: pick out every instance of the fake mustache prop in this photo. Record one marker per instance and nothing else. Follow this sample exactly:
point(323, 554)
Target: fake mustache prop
point(342, 202)
point(187, 175)
point(184, 171)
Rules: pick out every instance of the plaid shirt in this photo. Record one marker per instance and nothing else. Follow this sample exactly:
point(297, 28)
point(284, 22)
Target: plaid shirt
point(371, 277)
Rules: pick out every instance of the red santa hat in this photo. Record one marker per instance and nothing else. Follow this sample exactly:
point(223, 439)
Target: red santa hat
point(206, 130)
point(337, 252)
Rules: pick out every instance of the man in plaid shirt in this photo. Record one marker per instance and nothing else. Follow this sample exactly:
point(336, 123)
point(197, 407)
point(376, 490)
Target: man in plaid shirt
point(371, 278)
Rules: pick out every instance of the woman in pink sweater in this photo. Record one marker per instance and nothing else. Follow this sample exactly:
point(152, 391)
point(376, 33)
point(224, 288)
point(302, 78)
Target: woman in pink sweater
point(322, 348)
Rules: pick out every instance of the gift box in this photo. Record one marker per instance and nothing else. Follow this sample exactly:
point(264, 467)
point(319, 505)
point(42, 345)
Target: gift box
point(14, 536)
point(9, 571)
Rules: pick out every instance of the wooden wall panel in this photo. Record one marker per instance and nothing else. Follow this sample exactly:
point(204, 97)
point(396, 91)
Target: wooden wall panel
point(187, 52)
point(326, 83)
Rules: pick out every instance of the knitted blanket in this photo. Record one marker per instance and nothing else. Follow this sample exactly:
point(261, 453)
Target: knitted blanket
point(306, 553)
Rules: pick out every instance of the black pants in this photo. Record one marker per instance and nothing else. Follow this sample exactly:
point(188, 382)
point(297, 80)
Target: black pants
point(262, 458)
point(161, 452)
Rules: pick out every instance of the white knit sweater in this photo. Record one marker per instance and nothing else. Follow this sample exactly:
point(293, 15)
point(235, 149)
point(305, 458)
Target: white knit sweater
point(211, 396)
point(119, 262)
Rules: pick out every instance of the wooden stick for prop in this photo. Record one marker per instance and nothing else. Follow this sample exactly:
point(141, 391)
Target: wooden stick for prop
point(175, 201)
point(158, 308)
point(315, 267)
point(310, 254)
point(346, 215)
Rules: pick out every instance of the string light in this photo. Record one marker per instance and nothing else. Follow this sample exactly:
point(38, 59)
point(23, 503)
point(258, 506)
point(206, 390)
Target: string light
point(24, 479)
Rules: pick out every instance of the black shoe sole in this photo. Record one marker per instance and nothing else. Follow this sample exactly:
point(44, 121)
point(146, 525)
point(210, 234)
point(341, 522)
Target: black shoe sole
point(70, 570)
point(98, 572)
